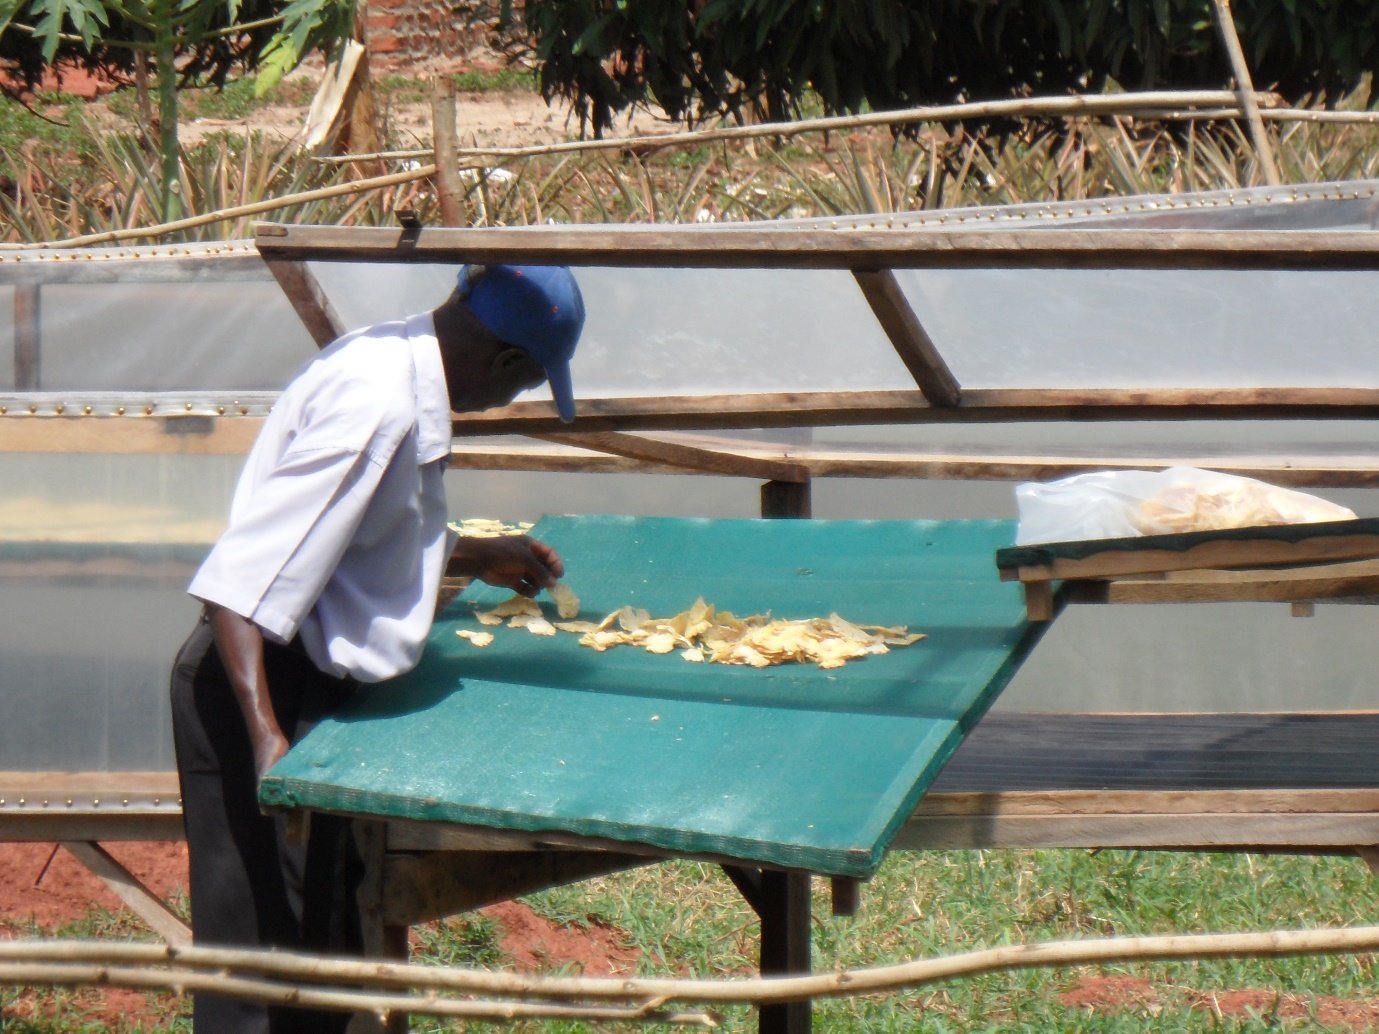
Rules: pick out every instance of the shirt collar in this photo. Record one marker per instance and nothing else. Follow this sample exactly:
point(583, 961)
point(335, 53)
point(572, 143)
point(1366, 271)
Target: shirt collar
point(434, 429)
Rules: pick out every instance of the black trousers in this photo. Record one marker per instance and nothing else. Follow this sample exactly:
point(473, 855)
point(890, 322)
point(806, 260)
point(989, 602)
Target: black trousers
point(249, 887)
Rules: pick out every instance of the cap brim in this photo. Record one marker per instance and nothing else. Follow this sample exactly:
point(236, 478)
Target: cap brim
point(558, 375)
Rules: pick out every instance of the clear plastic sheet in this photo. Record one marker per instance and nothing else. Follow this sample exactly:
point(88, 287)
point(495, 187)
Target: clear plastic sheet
point(94, 599)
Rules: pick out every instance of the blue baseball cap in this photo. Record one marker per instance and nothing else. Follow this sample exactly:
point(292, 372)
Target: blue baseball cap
point(537, 308)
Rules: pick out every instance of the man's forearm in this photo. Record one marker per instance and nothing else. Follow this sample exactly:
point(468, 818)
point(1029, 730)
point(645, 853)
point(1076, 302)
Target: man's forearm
point(240, 645)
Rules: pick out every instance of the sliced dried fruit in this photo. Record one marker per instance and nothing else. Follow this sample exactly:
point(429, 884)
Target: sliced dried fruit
point(577, 626)
point(632, 618)
point(702, 634)
point(566, 602)
point(487, 528)
point(517, 604)
point(660, 642)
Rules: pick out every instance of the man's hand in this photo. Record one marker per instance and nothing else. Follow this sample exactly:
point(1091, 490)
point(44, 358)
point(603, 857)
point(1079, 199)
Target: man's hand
point(515, 562)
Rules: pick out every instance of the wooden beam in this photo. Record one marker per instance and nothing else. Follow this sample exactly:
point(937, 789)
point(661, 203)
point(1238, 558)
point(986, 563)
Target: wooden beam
point(752, 246)
point(308, 300)
point(128, 888)
point(230, 264)
point(984, 405)
point(1186, 801)
point(90, 806)
point(1239, 552)
point(1207, 819)
point(1245, 89)
point(418, 888)
point(675, 454)
point(213, 436)
point(847, 895)
point(908, 336)
point(57, 826)
point(27, 338)
point(787, 499)
point(1297, 471)
point(1360, 578)
point(1370, 856)
point(449, 190)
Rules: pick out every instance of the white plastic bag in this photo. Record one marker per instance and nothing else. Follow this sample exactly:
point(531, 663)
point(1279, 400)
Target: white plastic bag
point(1113, 504)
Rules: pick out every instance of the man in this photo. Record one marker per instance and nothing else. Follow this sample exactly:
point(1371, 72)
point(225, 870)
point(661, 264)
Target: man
point(327, 576)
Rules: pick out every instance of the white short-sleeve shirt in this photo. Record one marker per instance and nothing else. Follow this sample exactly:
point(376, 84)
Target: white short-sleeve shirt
point(338, 529)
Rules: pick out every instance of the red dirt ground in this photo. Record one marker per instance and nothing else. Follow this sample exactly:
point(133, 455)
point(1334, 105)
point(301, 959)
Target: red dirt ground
point(64, 891)
point(1116, 993)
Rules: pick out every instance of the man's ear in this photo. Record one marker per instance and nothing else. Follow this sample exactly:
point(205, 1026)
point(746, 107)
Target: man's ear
point(514, 361)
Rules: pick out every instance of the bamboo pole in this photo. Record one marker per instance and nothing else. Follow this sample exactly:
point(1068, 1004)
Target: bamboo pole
point(449, 192)
point(1023, 107)
point(1164, 105)
point(1246, 88)
point(654, 992)
point(73, 974)
point(238, 211)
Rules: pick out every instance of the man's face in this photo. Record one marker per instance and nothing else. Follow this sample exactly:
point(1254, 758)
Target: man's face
point(510, 372)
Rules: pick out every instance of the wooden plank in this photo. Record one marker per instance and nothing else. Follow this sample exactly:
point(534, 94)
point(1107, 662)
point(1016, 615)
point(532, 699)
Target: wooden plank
point(908, 336)
point(1295, 471)
point(227, 264)
point(1185, 801)
point(986, 405)
point(418, 888)
point(216, 436)
point(27, 338)
point(90, 806)
point(1223, 553)
point(308, 300)
point(678, 455)
point(32, 827)
point(1360, 578)
point(751, 246)
point(127, 887)
point(107, 786)
point(1206, 831)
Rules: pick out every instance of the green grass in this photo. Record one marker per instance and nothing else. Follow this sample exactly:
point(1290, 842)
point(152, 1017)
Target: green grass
point(686, 918)
point(75, 1010)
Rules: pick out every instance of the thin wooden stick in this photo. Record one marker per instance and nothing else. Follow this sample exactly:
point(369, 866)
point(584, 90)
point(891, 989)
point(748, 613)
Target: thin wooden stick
point(70, 974)
point(1246, 88)
point(1024, 107)
point(239, 211)
point(449, 192)
point(101, 957)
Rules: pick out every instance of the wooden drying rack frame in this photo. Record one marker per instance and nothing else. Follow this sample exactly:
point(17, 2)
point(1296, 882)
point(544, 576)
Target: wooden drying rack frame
point(81, 809)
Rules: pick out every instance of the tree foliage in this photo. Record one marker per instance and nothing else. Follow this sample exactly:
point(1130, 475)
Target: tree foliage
point(701, 58)
point(186, 40)
point(209, 35)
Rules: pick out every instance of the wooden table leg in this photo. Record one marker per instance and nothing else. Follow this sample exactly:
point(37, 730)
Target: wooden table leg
point(786, 499)
point(381, 940)
point(782, 900)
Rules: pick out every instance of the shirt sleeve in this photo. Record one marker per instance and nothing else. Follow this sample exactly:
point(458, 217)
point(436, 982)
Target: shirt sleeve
point(281, 549)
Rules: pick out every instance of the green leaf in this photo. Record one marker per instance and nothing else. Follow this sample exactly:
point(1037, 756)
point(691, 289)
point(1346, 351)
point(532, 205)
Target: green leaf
point(8, 9)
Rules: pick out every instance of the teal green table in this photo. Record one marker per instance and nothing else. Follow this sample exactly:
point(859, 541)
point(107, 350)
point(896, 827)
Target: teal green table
point(785, 767)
